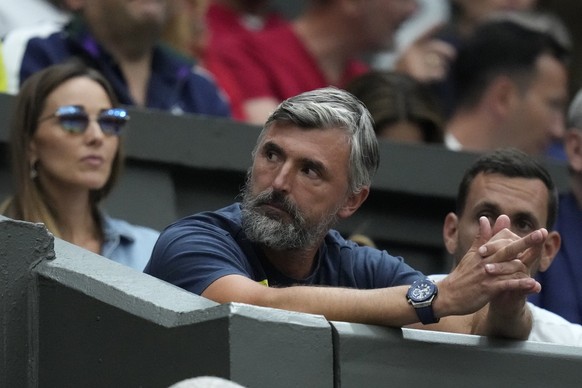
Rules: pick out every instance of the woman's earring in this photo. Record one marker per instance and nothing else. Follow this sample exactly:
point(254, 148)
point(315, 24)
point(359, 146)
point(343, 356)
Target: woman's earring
point(33, 171)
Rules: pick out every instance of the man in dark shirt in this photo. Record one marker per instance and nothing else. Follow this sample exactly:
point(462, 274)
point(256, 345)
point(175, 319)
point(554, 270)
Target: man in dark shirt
point(313, 165)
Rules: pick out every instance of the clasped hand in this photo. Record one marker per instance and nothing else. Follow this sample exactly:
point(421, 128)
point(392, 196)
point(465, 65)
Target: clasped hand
point(497, 269)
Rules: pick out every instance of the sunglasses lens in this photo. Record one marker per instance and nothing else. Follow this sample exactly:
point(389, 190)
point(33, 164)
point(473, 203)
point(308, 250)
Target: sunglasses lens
point(112, 121)
point(74, 122)
point(72, 118)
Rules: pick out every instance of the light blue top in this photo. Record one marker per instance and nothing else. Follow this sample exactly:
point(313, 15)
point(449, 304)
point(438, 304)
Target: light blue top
point(127, 244)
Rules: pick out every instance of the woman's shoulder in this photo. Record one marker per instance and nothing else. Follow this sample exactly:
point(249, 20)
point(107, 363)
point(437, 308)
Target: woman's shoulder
point(127, 229)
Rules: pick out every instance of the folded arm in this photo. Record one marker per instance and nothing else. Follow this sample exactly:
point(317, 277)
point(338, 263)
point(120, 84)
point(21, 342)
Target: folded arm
point(490, 275)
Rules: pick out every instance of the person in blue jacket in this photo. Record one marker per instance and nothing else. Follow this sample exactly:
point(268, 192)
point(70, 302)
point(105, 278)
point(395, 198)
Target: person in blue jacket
point(121, 39)
point(562, 282)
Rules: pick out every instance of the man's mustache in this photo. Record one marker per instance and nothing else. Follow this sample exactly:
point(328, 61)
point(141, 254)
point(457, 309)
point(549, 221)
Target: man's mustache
point(277, 199)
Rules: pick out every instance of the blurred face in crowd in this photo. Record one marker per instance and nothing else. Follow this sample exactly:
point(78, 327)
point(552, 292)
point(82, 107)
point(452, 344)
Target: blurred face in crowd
point(68, 160)
point(127, 15)
point(523, 200)
point(185, 28)
point(298, 186)
point(539, 112)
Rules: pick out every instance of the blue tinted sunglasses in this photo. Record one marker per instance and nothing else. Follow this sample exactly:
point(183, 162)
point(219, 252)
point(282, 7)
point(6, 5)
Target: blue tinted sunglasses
point(74, 119)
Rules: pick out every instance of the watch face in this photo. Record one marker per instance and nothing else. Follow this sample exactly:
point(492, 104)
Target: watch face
point(422, 291)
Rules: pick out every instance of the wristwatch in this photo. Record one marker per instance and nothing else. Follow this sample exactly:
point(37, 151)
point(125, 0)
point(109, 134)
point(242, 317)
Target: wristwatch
point(420, 295)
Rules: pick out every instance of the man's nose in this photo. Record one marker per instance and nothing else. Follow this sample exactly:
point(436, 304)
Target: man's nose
point(283, 179)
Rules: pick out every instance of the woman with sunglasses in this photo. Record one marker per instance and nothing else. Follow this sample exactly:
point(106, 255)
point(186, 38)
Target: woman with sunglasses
point(66, 155)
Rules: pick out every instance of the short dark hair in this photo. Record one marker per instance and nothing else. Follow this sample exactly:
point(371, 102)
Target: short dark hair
point(512, 163)
point(501, 47)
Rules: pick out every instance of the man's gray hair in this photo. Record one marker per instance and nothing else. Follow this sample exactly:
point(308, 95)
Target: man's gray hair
point(575, 112)
point(328, 108)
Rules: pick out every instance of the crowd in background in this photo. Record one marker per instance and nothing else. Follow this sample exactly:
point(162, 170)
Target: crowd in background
point(239, 59)
point(473, 75)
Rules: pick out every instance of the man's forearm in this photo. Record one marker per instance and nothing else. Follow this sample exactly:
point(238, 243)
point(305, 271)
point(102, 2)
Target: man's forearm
point(384, 306)
point(387, 306)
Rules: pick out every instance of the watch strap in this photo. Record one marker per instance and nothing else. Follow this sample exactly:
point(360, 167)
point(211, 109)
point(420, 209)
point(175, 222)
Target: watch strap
point(426, 315)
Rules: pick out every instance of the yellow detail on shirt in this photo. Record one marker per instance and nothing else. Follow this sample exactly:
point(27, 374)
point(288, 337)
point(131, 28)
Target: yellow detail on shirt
point(3, 79)
point(264, 282)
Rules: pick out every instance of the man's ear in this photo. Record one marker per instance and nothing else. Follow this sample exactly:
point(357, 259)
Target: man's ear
point(451, 232)
point(573, 146)
point(353, 202)
point(500, 96)
point(551, 247)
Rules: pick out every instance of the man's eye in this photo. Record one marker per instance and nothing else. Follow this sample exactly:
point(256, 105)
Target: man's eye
point(312, 173)
point(524, 226)
point(270, 155)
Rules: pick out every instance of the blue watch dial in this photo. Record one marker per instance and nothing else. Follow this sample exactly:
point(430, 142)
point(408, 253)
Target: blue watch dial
point(421, 291)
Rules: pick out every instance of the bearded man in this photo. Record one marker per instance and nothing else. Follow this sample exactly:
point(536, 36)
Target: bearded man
point(312, 165)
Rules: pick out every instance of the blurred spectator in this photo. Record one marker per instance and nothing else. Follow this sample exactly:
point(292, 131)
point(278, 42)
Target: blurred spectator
point(403, 109)
point(196, 25)
point(51, 17)
point(233, 19)
point(511, 86)
point(417, 50)
point(24, 13)
point(321, 47)
point(569, 12)
point(467, 15)
point(66, 155)
point(427, 42)
point(228, 18)
point(121, 39)
point(561, 283)
point(185, 30)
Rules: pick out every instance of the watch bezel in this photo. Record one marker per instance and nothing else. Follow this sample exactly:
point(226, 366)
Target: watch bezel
point(424, 301)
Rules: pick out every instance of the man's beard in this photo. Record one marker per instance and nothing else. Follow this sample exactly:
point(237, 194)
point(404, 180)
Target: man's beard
point(277, 233)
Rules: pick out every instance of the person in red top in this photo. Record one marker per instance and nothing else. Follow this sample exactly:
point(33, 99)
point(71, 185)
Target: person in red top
point(320, 48)
point(227, 18)
point(235, 19)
